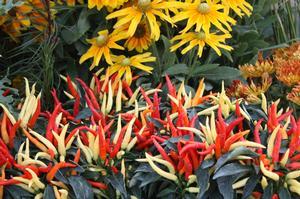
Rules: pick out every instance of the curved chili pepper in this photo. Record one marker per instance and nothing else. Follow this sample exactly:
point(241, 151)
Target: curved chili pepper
point(12, 133)
point(71, 87)
point(127, 88)
point(102, 143)
point(99, 185)
point(58, 166)
point(162, 152)
point(36, 115)
point(194, 146)
point(275, 153)
point(51, 124)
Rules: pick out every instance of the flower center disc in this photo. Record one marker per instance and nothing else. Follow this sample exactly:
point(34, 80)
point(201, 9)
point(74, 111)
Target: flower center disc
point(140, 31)
point(101, 40)
point(144, 4)
point(203, 8)
point(125, 62)
point(201, 35)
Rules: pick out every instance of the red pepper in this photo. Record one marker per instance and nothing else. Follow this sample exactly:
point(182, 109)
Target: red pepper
point(256, 134)
point(195, 160)
point(284, 116)
point(193, 146)
point(84, 138)
point(12, 133)
point(76, 106)
point(276, 149)
point(272, 120)
point(233, 139)
point(71, 87)
point(221, 127)
point(207, 151)
point(9, 182)
point(98, 84)
point(127, 88)
point(233, 124)
point(58, 166)
point(187, 166)
point(275, 196)
point(144, 145)
point(293, 166)
point(99, 185)
point(102, 143)
point(155, 113)
point(172, 127)
point(172, 91)
point(6, 92)
point(149, 102)
point(90, 93)
point(163, 152)
point(36, 115)
point(218, 148)
point(119, 142)
point(51, 124)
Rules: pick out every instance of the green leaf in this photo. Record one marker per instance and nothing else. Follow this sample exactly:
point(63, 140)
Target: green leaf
point(284, 193)
point(221, 73)
point(75, 32)
point(84, 113)
point(233, 154)
point(203, 176)
point(81, 187)
point(177, 69)
point(17, 192)
point(231, 169)
point(268, 192)
point(250, 185)
point(117, 183)
point(202, 68)
point(225, 186)
point(49, 192)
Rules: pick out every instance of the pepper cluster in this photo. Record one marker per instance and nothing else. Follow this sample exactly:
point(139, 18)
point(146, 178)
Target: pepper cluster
point(108, 139)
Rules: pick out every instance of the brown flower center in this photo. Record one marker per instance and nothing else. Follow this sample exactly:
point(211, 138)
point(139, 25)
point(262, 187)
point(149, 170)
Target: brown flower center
point(201, 35)
point(125, 62)
point(203, 8)
point(101, 40)
point(144, 4)
point(140, 31)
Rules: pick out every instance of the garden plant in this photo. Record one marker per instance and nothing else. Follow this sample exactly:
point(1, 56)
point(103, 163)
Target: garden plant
point(149, 99)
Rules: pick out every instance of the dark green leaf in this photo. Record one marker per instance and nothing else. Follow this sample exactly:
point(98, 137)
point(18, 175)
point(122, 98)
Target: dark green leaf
point(233, 154)
point(117, 182)
point(225, 186)
point(84, 113)
point(232, 169)
point(17, 192)
point(284, 193)
point(250, 185)
point(49, 192)
point(268, 192)
point(81, 187)
point(221, 73)
point(177, 69)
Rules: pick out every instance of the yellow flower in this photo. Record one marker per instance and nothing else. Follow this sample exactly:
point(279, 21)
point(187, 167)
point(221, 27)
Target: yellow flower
point(111, 4)
point(294, 95)
point(123, 65)
point(135, 13)
point(201, 39)
point(238, 6)
point(101, 45)
point(257, 70)
point(203, 14)
point(141, 40)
